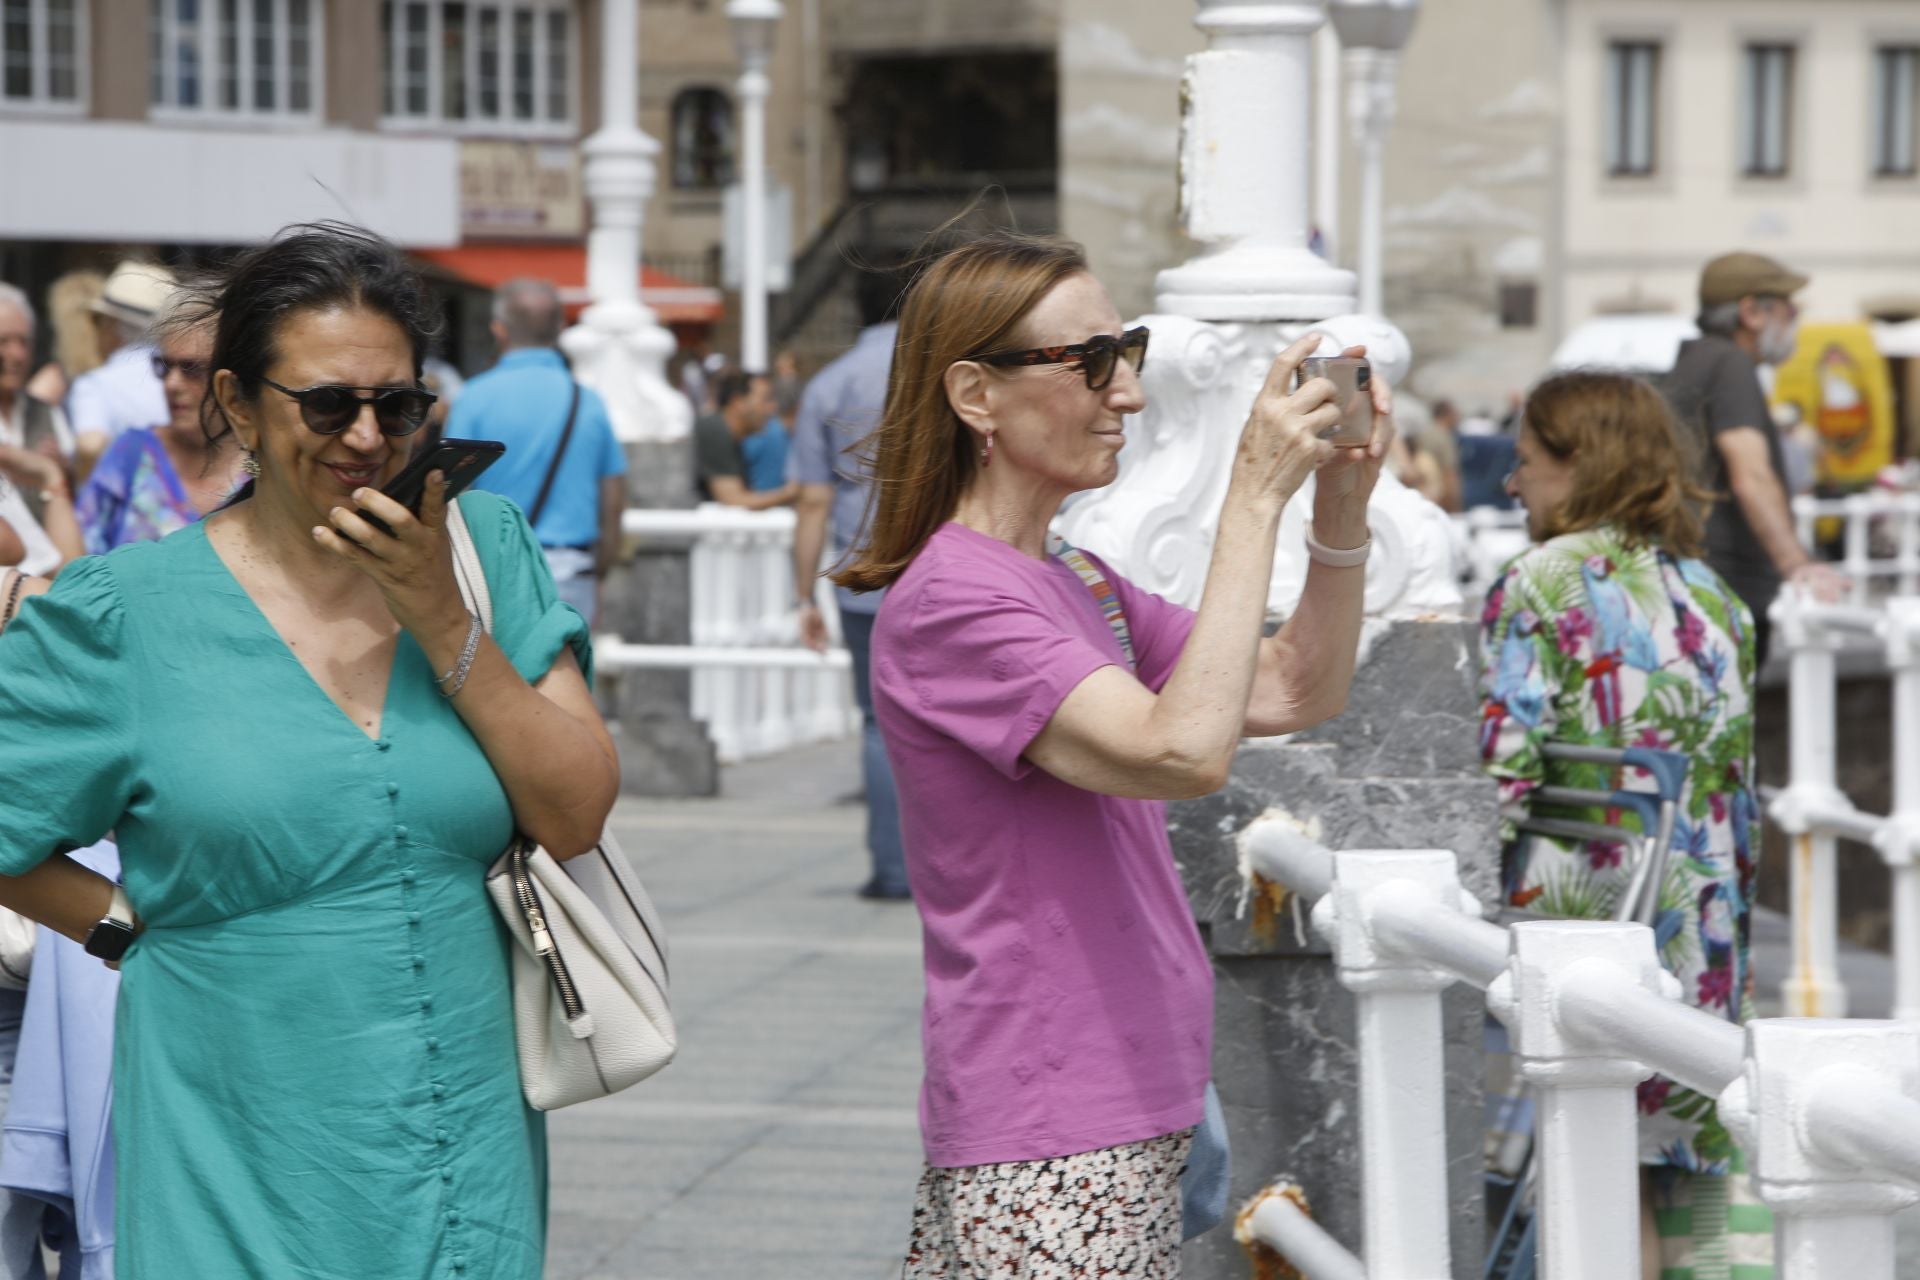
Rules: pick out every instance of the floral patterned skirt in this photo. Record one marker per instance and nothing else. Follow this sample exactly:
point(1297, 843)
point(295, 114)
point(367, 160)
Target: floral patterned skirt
point(1111, 1213)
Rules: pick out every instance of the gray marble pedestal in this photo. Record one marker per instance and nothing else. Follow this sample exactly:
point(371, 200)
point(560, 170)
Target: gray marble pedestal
point(1399, 769)
point(647, 599)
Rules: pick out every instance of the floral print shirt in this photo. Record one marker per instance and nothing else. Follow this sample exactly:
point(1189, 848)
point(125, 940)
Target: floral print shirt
point(1592, 640)
point(133, 495)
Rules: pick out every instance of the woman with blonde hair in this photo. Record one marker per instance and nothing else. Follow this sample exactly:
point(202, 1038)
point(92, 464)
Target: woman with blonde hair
point(1039, 710)
point(1612, 632)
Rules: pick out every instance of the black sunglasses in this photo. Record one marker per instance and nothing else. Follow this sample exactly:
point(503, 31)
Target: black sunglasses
point(194, 369)
point(1097, 357)
point(329, 410)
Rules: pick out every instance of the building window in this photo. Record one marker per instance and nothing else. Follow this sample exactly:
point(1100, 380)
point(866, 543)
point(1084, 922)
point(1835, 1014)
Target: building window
point(1633, 107)
point(486, 65)
point(1896, 109)
point(243, 58)
point(702, 138)
point(40, 53)
point(1519, 304)
point(1766, 142)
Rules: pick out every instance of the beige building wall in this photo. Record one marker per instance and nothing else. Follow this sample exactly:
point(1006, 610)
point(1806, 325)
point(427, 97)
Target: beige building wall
point(1638, 243)
point(1120, 68)
point(1469, 196)
point(120, 60)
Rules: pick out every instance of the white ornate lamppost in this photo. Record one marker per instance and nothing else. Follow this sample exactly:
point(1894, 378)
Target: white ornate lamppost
point(1373, 32)
point(619, 347)
point(1223, 315)
point(754, 24)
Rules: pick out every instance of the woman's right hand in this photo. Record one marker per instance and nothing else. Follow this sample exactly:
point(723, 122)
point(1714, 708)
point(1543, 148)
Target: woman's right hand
point(1281, 445)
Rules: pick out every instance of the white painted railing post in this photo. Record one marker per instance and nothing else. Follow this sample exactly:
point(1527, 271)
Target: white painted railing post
point(1898, 839)
point(1813, 988)
point(1907, 553)
point(1402, 1044)
point(1588, 1133)
point(1807, 1106)
point(1858, 546)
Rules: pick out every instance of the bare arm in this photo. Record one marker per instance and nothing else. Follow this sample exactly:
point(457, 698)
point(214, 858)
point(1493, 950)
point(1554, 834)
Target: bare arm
point(1112, 734)
point(1306, 668)
point(36, 472)
point(12, 550)
point(613, 502)
point(811, 510)
point(1762, 498)
point(732, 491)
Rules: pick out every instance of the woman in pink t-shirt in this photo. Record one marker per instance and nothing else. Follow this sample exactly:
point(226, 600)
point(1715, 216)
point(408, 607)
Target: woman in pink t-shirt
point(1069, 1011)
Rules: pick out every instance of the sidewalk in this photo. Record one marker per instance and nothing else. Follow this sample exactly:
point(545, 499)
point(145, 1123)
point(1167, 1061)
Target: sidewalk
point(782, 1142)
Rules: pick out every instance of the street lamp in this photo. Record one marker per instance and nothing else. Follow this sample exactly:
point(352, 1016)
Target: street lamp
point(754, 23)
point(1373, 33)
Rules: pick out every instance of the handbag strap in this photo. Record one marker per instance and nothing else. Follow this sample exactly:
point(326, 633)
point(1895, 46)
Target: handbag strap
point(466, 567)
point(553, 468)
point(1103, 595)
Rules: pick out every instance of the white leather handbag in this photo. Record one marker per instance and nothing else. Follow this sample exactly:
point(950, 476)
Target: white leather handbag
point(590, 1008)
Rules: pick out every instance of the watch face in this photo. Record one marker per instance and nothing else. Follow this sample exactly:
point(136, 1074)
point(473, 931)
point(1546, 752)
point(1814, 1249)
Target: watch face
point(109, 940)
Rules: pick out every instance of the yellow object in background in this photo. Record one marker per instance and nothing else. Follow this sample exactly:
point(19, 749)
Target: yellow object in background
point(1839, 383)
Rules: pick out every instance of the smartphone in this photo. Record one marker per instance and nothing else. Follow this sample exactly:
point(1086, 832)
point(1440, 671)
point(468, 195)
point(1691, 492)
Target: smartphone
point(1352, 378)
point(461, 460)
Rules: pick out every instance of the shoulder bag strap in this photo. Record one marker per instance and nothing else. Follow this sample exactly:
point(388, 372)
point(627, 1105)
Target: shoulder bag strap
point(1103, 595)
point(466, 567)
point(553, 468)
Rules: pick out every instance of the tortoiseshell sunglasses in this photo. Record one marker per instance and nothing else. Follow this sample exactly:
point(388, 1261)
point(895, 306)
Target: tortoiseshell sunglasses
point(1097, 356)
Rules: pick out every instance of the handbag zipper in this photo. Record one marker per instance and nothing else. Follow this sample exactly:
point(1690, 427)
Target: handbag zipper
point(543, 938)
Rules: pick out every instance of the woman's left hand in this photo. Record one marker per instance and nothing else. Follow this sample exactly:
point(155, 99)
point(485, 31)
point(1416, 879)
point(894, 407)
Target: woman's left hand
point(413, 566)
point(1345, 484)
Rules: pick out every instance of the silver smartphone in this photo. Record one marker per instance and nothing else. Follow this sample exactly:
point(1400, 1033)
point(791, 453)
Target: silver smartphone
point(1352, 378)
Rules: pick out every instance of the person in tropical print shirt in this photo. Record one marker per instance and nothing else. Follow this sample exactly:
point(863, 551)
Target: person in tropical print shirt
point(1611, 631)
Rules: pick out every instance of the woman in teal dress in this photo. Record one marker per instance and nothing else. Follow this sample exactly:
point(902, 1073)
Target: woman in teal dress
point(310, 759)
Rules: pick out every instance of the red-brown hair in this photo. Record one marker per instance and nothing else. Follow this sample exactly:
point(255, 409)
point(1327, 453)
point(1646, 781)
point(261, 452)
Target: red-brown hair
point(968, 302)
point(1632, 467)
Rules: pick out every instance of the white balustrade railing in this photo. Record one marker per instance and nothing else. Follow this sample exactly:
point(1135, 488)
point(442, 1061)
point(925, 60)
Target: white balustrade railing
point(755, 687)
point(1879, 538)
point(1815, 814)
point(1827, 1110)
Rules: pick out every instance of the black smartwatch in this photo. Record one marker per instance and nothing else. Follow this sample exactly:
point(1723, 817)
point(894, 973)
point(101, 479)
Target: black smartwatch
point(110, 938)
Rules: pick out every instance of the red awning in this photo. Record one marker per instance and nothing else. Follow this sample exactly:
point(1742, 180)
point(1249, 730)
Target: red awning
point(676, 301)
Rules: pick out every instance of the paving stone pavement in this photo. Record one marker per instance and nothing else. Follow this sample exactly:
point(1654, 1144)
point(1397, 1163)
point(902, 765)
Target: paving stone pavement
point(782, 1144)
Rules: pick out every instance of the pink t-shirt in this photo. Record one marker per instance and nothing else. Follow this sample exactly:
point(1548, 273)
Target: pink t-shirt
point(1069, 999)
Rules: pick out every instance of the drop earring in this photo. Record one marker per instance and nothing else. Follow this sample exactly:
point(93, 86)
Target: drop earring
point(986, 453)
point(250, 462)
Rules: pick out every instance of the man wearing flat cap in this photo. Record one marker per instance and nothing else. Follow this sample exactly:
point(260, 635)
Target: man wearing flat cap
point(1747, 318)
point(124, 392)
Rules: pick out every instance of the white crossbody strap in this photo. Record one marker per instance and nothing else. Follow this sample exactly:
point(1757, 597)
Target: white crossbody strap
point(466, 567)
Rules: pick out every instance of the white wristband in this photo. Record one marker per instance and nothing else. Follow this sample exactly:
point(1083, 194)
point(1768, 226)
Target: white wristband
point(1349, 558)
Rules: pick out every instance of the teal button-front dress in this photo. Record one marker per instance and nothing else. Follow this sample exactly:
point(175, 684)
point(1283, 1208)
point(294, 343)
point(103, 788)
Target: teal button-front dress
point(314, 1071)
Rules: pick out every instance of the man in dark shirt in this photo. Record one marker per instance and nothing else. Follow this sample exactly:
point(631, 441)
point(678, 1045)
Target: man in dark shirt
point(1747, 318)
point(720, 472)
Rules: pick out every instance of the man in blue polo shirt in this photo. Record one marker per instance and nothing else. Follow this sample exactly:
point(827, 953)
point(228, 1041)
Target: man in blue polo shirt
point(524, 401)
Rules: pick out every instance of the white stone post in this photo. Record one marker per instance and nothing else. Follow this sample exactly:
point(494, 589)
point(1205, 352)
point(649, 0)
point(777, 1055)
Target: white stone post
point(1828, 1110)
point(1402, 1045)
point(1813, 987)
point(754, 22)
point(1588, 1131)
point(1326, 141)
point(1373, 33)
point(619, 347)
point(1245, 173)
point(1898, 840)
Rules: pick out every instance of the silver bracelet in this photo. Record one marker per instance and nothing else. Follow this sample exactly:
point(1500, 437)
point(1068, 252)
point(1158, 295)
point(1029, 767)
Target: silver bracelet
point(458, 671)
point(1337, 558)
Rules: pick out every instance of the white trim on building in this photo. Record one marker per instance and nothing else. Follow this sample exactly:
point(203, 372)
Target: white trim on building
point(240, 61)
point(43, 57)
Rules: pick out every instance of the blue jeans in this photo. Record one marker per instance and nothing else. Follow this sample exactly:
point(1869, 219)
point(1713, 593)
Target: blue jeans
point(883, 803)
point(573, 579)
point(19, 1215)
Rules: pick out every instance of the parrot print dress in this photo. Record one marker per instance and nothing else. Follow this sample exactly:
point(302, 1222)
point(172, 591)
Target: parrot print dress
point(1592, 640)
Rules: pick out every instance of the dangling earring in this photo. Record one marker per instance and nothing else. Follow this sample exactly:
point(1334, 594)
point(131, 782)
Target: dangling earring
point(986, 454)
point(250, 462)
